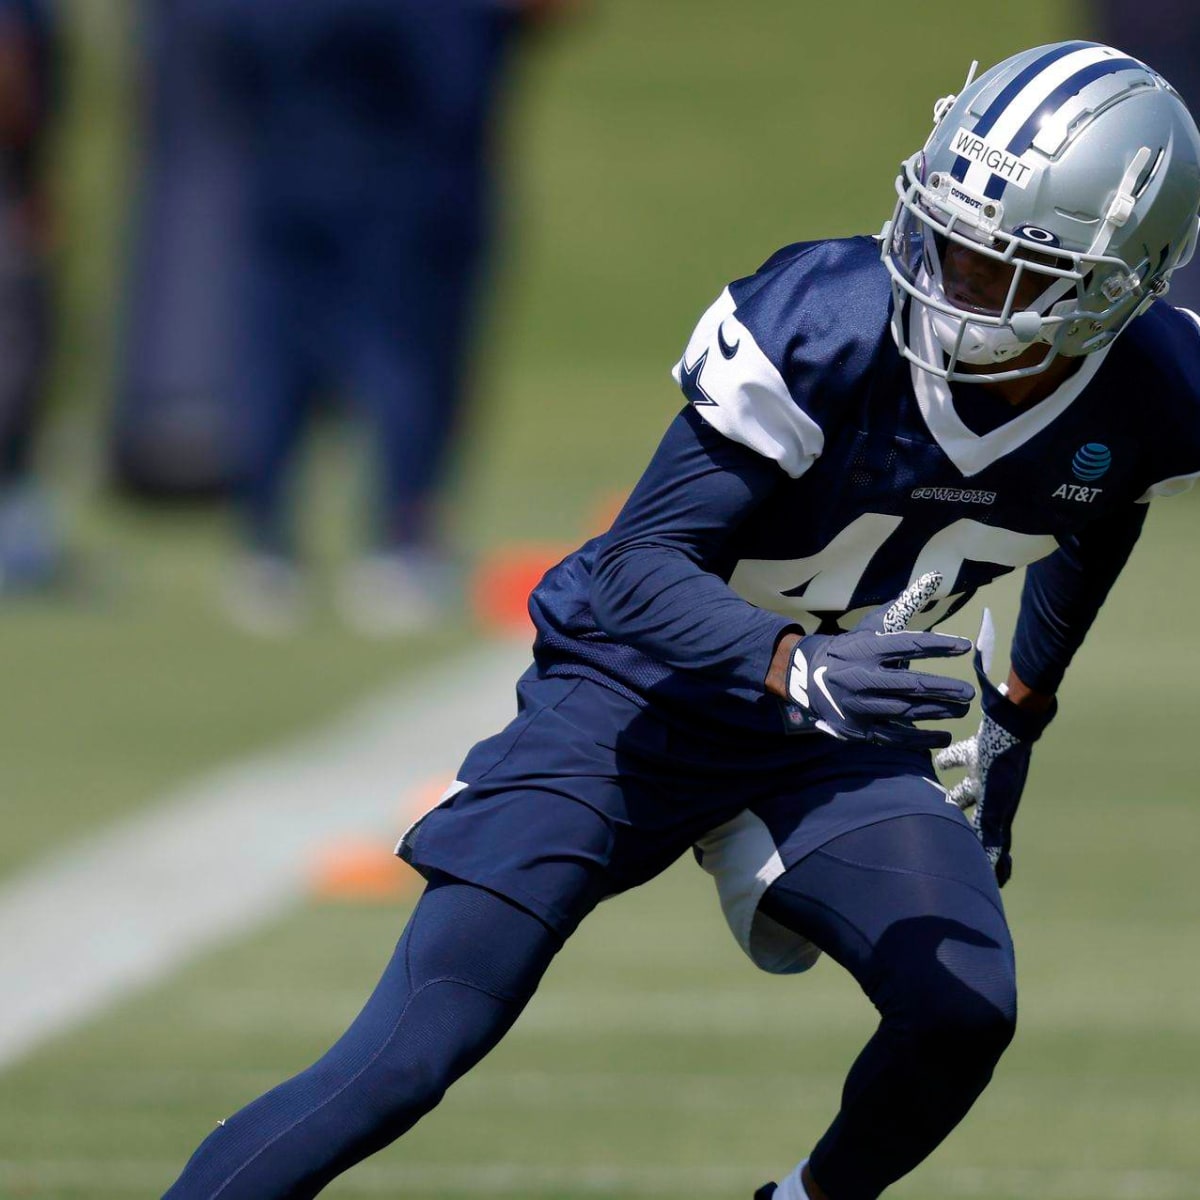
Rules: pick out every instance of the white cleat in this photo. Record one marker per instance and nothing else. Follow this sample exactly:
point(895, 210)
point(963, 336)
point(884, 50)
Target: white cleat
point(266, 595)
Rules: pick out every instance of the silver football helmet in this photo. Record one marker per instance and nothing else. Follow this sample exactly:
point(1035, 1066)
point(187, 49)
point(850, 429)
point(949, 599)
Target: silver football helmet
point(1076, 170)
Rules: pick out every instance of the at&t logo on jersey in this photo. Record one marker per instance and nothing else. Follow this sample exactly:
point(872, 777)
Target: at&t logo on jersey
point(1076, 491)
point(1091, 461)
point(1089, 464)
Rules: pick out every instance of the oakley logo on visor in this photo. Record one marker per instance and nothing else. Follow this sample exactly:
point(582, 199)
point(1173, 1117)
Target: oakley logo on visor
point(1033, 233)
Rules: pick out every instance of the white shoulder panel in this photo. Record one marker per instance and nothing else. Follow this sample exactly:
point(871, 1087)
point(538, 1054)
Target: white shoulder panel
point(1177, 484)
point(738, 391)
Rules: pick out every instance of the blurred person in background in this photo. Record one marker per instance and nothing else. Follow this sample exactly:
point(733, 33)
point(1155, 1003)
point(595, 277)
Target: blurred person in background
point(171, 427)
point(1166, 34)
point(367, 133)
point(31, 556)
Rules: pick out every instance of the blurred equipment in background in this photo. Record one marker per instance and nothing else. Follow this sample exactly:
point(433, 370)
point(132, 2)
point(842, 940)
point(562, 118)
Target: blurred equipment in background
point(31, 555)
point(315, 220)
point(1165, 34)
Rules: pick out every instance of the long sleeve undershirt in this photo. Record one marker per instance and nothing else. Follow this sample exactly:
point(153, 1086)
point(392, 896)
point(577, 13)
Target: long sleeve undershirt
point(658, 583)
point(1064, 592)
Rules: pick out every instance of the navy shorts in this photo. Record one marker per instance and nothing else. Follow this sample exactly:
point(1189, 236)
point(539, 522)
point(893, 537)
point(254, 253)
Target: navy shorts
point(587, 794)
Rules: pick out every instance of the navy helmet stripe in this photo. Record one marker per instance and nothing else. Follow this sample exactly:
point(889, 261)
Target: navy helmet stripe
point(1010, 92)
point(995, 187)
point(1024, 136)
point(996, 109)
point(1072, 86)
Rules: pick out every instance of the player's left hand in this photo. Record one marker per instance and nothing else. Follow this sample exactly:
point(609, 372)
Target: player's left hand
point(996, 759)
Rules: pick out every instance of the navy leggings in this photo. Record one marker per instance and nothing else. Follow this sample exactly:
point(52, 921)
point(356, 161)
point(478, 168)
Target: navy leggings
point(911, 909)
point(908, 906)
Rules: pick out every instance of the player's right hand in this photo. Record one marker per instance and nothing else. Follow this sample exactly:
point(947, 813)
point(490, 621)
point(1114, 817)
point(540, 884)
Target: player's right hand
point(856, 686)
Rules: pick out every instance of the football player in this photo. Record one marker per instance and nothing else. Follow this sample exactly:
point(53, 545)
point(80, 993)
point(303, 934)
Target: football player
point(875, 428)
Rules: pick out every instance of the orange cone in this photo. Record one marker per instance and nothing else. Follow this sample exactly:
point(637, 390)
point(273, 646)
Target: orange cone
point(365, 869)
point(360, 869)
point(502, 582)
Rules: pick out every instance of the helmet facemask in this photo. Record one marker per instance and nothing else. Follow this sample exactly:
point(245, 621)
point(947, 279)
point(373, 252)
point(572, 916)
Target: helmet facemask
point(1037, 290)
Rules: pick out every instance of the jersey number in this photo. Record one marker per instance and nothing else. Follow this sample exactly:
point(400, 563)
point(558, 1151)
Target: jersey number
point(834, 573)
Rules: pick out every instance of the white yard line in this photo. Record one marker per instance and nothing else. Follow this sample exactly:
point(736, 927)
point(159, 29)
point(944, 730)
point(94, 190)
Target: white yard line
point(122, 908)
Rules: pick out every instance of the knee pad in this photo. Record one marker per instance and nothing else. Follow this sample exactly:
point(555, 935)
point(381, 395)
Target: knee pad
point(952, 992)
point(983, 1005)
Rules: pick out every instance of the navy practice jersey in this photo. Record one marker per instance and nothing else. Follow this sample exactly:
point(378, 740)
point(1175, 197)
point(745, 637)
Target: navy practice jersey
point(816, 473)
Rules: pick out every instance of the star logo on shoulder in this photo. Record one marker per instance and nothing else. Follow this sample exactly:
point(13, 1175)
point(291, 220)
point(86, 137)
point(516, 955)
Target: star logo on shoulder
point(689, 382)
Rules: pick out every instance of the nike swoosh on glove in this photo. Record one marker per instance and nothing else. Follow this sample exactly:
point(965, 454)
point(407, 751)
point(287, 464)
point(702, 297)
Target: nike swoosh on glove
point(856, 686)
point(996, 759)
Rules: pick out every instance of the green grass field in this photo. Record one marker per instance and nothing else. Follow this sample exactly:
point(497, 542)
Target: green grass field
point(661, 147)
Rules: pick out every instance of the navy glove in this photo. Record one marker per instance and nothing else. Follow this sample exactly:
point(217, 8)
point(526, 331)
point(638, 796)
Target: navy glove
point(997, 760)
point(856, 686)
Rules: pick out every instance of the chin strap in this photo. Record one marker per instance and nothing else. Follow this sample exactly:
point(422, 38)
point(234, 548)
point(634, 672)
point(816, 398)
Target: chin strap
point(1027, 325)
